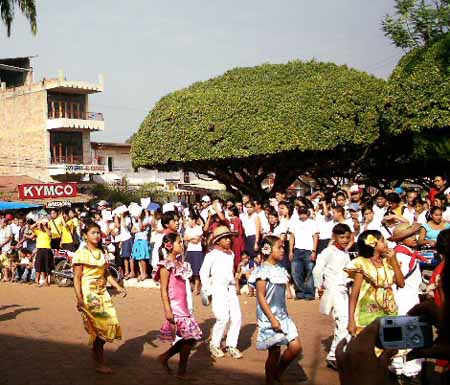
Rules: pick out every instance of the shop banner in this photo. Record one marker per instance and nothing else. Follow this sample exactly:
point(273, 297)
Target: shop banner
point(58, 204)
point(47, 190)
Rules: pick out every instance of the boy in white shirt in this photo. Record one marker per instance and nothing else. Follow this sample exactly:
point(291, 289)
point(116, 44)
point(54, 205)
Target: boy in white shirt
point(303, 253)
point(405, 235)
point(218, 279)
point(331, 280)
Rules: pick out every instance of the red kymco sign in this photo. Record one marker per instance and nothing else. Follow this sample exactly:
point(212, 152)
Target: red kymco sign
point(47, 190)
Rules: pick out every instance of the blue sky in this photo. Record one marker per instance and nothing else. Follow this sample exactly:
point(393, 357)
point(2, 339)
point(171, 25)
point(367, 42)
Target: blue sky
point(148, 48)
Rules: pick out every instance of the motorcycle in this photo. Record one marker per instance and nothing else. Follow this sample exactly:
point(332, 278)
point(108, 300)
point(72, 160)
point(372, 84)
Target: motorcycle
point(63, 272)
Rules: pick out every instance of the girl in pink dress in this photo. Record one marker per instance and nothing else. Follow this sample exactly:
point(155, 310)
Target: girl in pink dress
point(180, 327)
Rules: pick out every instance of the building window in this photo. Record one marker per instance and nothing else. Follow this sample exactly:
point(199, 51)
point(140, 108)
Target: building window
point(186, 177)
point(66, 147)
point(110, 163)
point(65, 106)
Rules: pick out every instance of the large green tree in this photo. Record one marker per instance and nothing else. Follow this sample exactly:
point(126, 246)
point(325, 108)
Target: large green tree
point(417, 22)
point(27, 7)
point(416, 123)
point(274, 119)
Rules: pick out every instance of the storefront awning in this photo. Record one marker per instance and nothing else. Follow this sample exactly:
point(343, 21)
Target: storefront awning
point(4, 206)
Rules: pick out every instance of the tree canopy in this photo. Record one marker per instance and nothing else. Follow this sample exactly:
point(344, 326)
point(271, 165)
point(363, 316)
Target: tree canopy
point(416, 121)
point(418, 99)
point(273, 118)
point(27, 7)
point(417, 22)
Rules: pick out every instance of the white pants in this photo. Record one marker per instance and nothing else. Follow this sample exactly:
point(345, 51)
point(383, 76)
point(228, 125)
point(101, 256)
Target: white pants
point(340, 315)
point(226, 309)
point(406, 299)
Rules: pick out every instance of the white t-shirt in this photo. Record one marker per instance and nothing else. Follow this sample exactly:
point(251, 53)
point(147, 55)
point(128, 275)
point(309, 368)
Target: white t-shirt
point(249, 224)
point(303, 232)
point(25, 261)
point(374, 225)
point(103, 226)
point(265, 226)
point(446, 214)
point(378, 213)
point(409, 215)
point(5, 233)
point(205, 213)
point(348, 222)
point(142, 235)
point(193, 232)
point(325, 226)
point(125, 234)
point(15, 229)
point(422, 218)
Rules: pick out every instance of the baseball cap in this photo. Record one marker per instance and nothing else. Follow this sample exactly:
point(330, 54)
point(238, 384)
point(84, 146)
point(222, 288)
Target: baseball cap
point(353, 207)
point(355, 189)
point(206, 198)
point(9, 217)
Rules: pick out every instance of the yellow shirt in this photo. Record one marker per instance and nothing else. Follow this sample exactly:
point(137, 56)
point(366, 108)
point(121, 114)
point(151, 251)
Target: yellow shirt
point(398, 211)
point(43, 240)
point(55, 227)
point(66, 232)
point(75, 221)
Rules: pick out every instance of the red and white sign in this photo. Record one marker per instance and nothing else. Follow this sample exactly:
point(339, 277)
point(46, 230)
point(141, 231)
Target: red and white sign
point(47, 190)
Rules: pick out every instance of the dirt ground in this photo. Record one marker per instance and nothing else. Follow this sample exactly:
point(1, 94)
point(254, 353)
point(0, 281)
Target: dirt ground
point(42, 341)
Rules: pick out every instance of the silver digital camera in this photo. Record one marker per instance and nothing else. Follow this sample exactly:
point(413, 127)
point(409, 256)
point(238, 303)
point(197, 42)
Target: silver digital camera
point(405, 332)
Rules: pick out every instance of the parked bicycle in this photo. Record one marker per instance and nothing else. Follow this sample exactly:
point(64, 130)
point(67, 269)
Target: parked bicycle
point(63, 272)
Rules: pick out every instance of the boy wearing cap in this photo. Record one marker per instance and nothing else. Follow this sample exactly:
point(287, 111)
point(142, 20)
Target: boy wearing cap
point(217, 278)
point(205, 203)
point(405, 235)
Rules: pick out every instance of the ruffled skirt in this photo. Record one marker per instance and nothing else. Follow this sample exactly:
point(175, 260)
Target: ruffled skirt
point(267, 337)
point(186, 328)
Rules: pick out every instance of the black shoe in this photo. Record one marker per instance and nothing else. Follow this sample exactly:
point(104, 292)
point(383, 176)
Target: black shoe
point(332, 364)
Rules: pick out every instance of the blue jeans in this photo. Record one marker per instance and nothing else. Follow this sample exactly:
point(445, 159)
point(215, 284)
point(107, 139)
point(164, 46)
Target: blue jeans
point(301, 269)
point(25, 274)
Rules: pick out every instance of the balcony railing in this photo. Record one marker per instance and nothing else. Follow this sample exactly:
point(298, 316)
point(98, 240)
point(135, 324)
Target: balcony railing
point(70, 159)
point(98, 116)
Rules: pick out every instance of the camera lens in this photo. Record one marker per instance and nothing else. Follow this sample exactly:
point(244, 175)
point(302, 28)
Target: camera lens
point(416, 339)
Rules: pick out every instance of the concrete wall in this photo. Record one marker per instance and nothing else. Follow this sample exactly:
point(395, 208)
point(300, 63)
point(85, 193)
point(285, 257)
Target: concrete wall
point(122, 168)
point(23, 135)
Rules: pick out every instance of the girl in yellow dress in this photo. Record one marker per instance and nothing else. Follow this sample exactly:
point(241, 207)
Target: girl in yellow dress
point(93, 300)
point(374, 274)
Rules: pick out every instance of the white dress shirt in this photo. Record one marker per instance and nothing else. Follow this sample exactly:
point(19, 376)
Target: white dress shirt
point(217, 270)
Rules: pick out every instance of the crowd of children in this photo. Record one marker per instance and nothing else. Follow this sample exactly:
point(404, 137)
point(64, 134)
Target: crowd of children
point(358, 252)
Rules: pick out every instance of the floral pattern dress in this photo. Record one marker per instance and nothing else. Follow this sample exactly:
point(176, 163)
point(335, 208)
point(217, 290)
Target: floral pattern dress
point(376, 297)
point(99, 316)
point(276, 278)
point(185, 327)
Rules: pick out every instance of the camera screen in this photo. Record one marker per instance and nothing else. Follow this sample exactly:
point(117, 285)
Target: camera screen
point(392, 334)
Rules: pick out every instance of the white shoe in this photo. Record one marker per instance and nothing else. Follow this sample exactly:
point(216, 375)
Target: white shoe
point(412, 368)
point(234, 353)
point(396, 366)
point(204, 297)
point(216, 352)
